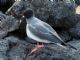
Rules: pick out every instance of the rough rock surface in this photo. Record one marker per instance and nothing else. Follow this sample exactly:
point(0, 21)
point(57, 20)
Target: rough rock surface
point(18, 52)
point(2, 18)
point(65, 35)
point(4, 47)
point(76, 43)
point(58, 14)
point(18, 8)
point(51, 54)
point(5, 4)
point(16, 49)
point(75, 31)
point(77, 2)
point(7, 24)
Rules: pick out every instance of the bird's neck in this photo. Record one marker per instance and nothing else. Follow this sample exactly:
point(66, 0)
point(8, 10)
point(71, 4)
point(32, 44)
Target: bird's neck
point(31, 20)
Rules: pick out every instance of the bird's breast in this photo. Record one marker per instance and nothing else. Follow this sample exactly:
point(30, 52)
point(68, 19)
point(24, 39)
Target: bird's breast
point(31, 35)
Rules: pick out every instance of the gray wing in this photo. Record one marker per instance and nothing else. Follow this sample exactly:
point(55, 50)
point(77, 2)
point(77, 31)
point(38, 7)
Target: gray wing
point(43, 33)
point(51, 30)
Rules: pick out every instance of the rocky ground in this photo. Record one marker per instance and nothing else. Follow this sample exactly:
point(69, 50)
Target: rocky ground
point(14, 44)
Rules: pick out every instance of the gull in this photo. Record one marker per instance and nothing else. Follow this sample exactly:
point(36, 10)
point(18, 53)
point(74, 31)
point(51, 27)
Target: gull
point(41, 32)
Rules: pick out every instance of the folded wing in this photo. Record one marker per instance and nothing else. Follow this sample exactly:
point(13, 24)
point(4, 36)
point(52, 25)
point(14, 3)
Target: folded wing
point(43, 34)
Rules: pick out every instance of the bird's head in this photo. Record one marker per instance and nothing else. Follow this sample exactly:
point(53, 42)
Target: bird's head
point(28, 13)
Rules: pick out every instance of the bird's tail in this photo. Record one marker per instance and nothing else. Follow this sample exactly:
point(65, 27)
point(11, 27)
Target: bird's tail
point(65, 45)
point(70, 46)
point(57, 36)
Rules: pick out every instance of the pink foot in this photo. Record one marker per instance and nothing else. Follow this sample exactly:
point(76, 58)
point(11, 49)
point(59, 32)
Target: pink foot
point(38, 46)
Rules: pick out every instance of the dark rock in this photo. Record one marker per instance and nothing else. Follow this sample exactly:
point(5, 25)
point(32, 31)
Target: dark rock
point(51, 53)
point(41, 12)
point(77, 2)
point(12, 48)
point(12, 41)
point(76, 43)
point(2, 17)
point(42, 8)
point(3, 57)
point(15, 49)
point(4, 46)
point(77, 17)
point(19, 51)
point(63, 14)
point(15, 39)
point(22, 28)
point(61, 9)
point(75, 31)
point(64, 35)
point(7, 24)
point(3, 34)
point(77, 55)
point(18, 8)
point(5, 4)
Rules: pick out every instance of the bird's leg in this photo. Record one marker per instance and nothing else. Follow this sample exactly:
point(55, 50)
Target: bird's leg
point(39, 45)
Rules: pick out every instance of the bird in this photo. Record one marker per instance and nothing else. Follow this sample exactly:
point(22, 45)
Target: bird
point(41, 32)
